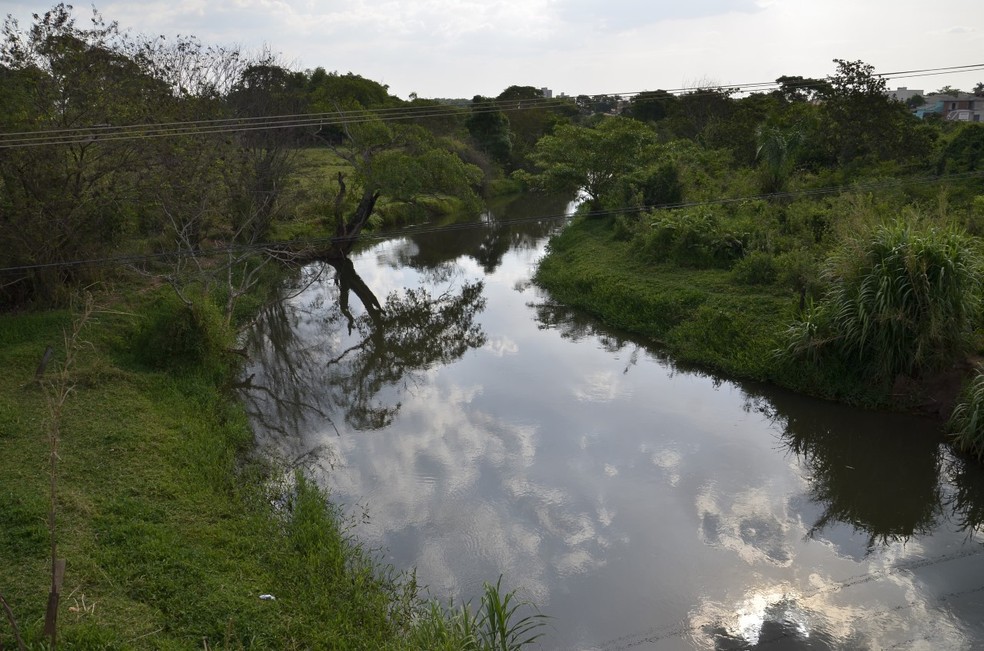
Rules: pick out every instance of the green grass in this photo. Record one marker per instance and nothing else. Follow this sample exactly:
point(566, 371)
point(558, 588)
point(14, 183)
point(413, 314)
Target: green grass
point(165, 520)
point(966, 423)
point(700, 316)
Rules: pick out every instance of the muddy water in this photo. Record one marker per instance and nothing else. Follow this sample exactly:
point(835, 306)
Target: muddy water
point(473, 428)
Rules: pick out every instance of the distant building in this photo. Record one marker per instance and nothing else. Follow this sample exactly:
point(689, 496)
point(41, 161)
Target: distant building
point(961, 107)
point(903, 94)
point(547, 93)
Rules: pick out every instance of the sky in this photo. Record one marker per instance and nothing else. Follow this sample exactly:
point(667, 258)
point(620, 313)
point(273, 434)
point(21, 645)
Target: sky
point(462, 48)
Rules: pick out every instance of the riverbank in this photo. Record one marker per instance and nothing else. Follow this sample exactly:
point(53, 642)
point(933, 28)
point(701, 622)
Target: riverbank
point(704, 317)
point(166, 521)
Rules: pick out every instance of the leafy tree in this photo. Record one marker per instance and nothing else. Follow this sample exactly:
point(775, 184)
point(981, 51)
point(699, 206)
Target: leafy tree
point(595, 104)
point(327, 90)
point(736, 130)
point(530, 119)
point(695, 111)
point(860, 120)
point(438, 118)
point(515, 96)
point(402, 162)
point(948, 90)
point(652, 105)
point(592, 159)
point(489, 128)
point(258, 169)
point(965, 152)
point(67, 200)
point(979, 89)
point(802, 89)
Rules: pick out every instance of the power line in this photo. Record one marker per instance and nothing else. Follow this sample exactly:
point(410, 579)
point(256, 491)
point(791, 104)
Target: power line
point(300, 245)
point(108, 133)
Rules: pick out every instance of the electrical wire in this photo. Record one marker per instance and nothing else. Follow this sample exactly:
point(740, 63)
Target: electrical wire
point(109, 133)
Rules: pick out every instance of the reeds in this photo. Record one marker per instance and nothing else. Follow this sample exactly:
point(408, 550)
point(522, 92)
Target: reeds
point(902, 300)
point(500, 624)
point(966, 422)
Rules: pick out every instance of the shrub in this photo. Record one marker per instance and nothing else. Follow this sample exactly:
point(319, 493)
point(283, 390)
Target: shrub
point(902, 300)
point(691, 239)
point(175, 336)
point(798, 271)
point(756, 268)
point(966, 423)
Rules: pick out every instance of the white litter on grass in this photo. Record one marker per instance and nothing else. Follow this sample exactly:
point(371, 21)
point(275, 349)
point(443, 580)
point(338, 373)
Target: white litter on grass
point(268, 597)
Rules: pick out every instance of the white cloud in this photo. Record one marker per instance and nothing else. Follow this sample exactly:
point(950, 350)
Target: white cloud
point(458, 48)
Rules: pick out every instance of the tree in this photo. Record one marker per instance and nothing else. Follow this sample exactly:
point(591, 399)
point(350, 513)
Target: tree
point(402, 162)
point(530, 118)
point(802, 89)
point(965, 152)
point(591, 159)
point(948, 90)
point(979, 89)
point(489, 128)
point(861, 120)
point(258, 172)
point(595, 104)
point(695, 111)
point(68, 199)
point(736, 129)
point(326, 90)
point(516, 96)
point(652, 105)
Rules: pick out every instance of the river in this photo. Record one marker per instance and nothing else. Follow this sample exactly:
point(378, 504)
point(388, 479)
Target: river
point(472, 427)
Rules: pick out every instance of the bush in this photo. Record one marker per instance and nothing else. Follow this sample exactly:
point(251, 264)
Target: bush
point(902, 301)
point(174, 336)
point(967, 420)
point(798, 271)
point(691, 239)
point(756, 268)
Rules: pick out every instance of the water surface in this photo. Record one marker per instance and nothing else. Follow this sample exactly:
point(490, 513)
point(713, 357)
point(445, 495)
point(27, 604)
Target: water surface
point(476, 428)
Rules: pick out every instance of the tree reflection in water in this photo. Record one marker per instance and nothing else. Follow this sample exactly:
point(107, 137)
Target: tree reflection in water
point(517, 224)
point(887, 475)
point(882, 482)
point(363, 359)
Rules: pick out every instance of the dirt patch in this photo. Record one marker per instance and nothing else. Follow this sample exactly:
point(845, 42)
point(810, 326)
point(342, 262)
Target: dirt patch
point(937, 393)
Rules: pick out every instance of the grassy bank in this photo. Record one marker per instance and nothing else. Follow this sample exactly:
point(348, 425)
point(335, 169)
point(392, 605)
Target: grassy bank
point(165, 520)
point(700, 316)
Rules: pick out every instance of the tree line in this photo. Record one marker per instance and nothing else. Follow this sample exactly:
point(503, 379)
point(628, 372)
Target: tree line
point(225, 184)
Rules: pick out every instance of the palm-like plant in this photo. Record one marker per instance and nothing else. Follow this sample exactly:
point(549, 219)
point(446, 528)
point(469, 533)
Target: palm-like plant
point(776, 154)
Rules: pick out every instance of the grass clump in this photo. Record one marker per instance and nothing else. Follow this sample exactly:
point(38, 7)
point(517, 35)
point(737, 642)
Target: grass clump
point(756, 268)
point(502, 623)
point(966, 423)
point(902, 301)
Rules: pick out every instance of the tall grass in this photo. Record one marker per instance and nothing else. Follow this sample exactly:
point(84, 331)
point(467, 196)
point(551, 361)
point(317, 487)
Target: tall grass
point(967, 419)
point(502, 622)
point(902, 300)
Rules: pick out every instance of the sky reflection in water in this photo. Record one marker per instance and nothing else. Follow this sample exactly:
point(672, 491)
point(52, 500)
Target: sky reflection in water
point(642, 505)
